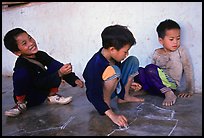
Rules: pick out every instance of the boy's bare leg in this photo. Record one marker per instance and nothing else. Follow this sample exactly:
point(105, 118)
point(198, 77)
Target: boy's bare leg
point(170, 98)
point(128, 97)
point(109, 87)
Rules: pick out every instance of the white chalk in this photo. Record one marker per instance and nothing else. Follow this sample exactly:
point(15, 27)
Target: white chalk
point(123, 128)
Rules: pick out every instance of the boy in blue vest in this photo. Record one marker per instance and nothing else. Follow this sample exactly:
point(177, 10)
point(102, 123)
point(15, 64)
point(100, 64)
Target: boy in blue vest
point(106, 76)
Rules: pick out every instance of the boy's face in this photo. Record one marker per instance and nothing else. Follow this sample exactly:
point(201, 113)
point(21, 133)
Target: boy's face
point(26, 45)
point(171, 41)
point(121, 54)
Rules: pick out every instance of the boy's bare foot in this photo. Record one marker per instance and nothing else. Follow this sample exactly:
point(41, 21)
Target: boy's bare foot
point(130, 99)
point(185, 95)
point(170, 98)
point(138, 93)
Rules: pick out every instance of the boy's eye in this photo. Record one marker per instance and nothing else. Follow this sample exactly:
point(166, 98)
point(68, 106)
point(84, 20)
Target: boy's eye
point(23, 43)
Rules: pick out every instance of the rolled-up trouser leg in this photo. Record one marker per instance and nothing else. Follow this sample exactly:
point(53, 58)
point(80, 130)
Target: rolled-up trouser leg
point(129, 67)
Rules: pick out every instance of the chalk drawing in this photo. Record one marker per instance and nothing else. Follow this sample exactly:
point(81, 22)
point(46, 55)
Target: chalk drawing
point(24, 132)
point(66, 123)
point(150, 120)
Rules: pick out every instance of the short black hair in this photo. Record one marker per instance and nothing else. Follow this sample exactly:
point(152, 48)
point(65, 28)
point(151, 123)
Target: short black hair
point(166, 25)
point(117, 36)
point(10, 39)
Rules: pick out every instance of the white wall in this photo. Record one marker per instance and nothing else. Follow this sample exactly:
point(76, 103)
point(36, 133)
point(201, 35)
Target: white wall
point(70, 31)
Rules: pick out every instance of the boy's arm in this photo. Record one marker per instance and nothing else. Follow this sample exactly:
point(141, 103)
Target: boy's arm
point(96, 98)
point(50, 61)
point(188, 71)
point(71, 78)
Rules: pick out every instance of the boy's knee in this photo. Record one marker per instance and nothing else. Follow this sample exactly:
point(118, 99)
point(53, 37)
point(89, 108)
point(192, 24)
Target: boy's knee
point(111, 72)
point(133, 59)
point(131, 62)
point(117, 70)
point(151, 69)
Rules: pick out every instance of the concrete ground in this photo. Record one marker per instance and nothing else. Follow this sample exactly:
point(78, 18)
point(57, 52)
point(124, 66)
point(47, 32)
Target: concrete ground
point(79, 118)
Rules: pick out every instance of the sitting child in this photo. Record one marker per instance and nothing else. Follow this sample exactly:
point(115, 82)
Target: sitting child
point(168, 66)
point(37, 75)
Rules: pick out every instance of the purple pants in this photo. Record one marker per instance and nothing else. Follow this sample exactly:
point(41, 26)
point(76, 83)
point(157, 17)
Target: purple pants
point(150, 80)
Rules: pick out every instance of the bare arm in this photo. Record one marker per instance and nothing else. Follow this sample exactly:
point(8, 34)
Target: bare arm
point(154, 58)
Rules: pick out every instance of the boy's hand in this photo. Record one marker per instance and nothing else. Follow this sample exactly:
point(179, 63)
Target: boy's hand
point(136, 86)
point(65, 69)
point(120, 120)
point(79, 83)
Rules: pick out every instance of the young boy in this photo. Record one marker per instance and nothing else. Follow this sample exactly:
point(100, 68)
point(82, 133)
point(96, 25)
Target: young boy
point(168, 66)
point(36, 76)
point(105, 76)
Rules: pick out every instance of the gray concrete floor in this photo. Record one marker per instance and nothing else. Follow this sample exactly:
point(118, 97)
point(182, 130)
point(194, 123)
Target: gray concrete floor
point(79, 118)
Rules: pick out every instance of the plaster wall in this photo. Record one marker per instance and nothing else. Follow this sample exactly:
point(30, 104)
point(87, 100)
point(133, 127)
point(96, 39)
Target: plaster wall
point(70, 31)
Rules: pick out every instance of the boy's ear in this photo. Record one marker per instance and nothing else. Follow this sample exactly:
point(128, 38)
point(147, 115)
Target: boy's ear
point(160, 40)
point(17, 53)
point(112, 48)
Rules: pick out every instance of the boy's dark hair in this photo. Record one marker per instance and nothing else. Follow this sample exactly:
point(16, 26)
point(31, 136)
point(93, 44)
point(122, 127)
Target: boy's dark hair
point(166, 25)
point(117, 36)
point(10, 39)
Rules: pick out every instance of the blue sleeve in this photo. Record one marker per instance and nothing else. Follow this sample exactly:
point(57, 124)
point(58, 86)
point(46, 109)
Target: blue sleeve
point(96, 98)
point(94, 83)
point(54, 65)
